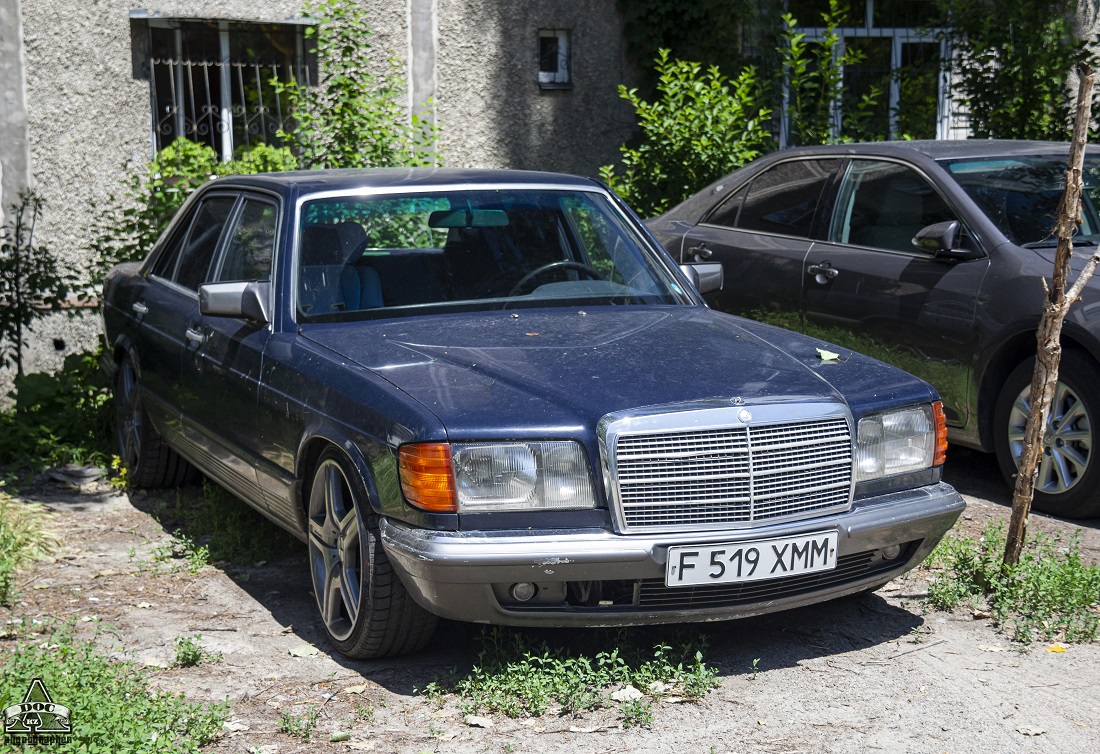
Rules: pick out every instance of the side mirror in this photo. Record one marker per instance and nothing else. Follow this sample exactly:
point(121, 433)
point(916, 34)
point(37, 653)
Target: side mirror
point(706, 277)
point(249, 300)
point(938, 238)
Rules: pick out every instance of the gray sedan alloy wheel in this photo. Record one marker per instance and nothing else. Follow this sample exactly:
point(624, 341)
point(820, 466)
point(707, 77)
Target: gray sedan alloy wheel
point(1069, 469)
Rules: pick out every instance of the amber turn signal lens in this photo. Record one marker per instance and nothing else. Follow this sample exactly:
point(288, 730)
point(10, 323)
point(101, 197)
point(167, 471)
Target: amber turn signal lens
point(427, 476)
point(941, 434)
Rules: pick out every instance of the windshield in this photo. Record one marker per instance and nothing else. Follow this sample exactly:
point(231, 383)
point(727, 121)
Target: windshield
point(393, 254)
point(1021, 195)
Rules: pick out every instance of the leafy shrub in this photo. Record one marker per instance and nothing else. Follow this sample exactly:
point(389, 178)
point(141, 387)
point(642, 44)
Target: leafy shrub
point(354, 117)
point(1050, 593)
point(116, 709)
point(701, 126)
point(59, 418)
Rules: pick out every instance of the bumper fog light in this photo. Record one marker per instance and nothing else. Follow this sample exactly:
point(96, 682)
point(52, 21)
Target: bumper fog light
point(891, 552)
point(523, 591)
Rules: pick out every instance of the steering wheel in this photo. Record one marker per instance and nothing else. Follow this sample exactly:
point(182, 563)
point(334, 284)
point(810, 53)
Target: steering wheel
point(564, 265)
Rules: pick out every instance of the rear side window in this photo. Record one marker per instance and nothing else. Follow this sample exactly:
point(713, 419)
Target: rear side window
point(188, 257)
point(782, 200)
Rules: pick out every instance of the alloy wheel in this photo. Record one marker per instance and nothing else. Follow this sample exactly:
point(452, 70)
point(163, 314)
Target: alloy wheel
point(1067, 440)
point(334, 549)
point(128, 415)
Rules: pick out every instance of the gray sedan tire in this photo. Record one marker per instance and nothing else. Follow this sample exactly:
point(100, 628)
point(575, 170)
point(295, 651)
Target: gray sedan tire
point(366, 610)
point(1068, 483)
point(148, 460)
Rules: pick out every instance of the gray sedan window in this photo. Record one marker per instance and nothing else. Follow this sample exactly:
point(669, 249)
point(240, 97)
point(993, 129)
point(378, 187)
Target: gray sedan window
point(783, 199)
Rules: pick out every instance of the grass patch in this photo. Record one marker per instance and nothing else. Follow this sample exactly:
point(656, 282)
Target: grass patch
point(299, 726)
point(23, 537)
point(518, 676)
point(1049, 594)
point(215, 526)
point(113, 706)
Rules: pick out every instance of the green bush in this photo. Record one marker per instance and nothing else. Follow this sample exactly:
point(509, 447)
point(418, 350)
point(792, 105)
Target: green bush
point(354, 117)
point(1049, 594)
point(701, 126)
point(59, 418)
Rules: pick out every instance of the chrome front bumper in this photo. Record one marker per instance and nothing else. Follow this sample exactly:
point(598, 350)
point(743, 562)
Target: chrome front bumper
point(466, 575)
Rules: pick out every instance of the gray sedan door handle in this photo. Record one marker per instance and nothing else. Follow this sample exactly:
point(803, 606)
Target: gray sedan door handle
point(822, 272)
point(196, 336)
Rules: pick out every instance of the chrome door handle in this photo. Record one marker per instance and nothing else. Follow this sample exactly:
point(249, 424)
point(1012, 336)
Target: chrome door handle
point(140, 309)
point(196, 336)
point(822, 272)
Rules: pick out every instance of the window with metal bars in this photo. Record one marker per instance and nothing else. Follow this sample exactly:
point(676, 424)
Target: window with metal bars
point(214, 82)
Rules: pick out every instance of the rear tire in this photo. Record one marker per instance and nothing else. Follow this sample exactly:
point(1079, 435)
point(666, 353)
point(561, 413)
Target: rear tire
point(148, 459)
point(366, 610)
point(1068, 483)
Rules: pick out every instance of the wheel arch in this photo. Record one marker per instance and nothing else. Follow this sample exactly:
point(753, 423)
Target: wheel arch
point(1008, 355)
point(309, 453)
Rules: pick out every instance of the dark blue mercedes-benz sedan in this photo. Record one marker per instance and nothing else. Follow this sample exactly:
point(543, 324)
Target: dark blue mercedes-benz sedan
point(491, 396)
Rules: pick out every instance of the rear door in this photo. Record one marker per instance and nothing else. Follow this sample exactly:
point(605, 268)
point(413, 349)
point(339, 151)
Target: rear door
point(868, 278)
point(761, 234)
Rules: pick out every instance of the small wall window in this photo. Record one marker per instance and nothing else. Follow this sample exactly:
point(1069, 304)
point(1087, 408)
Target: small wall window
point(554, 58)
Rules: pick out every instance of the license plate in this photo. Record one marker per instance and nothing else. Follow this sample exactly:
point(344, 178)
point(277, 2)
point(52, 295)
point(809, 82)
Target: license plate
point(751, 561)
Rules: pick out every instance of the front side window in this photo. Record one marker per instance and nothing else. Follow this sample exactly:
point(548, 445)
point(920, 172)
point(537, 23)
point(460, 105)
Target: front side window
point(251, 244)
point(883, 205)
point(197, 252)
point(485, 249)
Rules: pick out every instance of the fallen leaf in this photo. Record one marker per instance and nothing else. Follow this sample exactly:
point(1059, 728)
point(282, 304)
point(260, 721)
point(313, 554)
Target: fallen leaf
point(828, 355)
point(981, 614)
point(356, 689)
point(362, 745)
point(1030, 730)
point(1056, 648)
point(340, 735)
point(235, 726)
point(144, 605)
point(303, 650)
point(476, 721)
point(573, 729)
point(991, 648)
point(152, 662)
point(448, 736)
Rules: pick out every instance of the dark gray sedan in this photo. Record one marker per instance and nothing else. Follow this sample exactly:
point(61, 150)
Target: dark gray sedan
point(929, 255)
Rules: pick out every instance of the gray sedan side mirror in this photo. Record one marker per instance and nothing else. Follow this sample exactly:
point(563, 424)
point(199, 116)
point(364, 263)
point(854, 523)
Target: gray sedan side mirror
point(245, 299)
point(706, 277)
point(938, 238)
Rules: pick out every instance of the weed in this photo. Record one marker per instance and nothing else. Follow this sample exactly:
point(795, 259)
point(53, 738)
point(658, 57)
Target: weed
point(636, 713)
point(189, 652)
point(23, 537)
point(182, 548)
point(299, 727)
point(230, 530)
point(128, 716)
point(755, 669)
point(1049, 594)
point(516, 676)
point(365, 712)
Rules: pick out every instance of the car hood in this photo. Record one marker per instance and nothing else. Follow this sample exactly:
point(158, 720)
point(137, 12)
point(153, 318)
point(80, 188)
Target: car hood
point(547, 372)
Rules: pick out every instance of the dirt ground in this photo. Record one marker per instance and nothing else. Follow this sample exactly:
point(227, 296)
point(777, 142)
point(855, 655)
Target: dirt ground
point(876, 673)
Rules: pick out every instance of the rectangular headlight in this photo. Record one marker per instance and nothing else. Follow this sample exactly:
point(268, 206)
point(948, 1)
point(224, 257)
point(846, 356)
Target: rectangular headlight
point(895, 442)
point(520, 476)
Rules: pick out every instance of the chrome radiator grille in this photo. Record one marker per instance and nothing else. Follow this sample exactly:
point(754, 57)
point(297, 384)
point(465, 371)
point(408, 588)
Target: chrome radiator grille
point(732, 475)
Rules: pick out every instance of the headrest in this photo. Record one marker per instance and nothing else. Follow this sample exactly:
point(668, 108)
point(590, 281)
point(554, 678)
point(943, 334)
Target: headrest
point(321, 246)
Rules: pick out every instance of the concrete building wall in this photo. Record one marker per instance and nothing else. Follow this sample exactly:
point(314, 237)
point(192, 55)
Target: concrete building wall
point(88, 108)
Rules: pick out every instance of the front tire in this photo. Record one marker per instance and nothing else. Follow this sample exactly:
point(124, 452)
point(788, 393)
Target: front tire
point(366, 610)
point(1068, 483)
